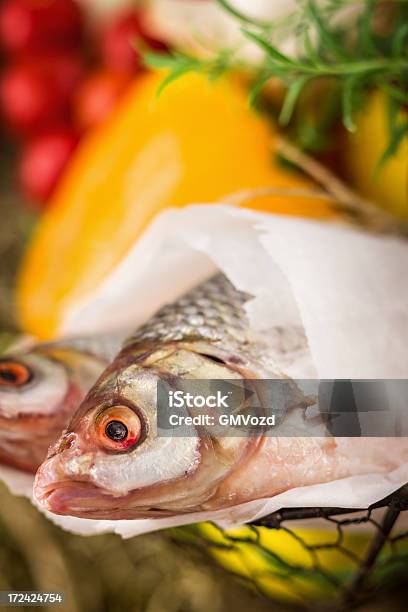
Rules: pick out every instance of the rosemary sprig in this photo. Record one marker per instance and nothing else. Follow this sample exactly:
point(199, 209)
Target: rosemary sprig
point(179, 64)
point(357, 56)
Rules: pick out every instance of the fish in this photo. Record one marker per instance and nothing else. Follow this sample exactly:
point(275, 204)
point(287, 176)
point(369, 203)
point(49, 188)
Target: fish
point(41, 386)
point(111, 463)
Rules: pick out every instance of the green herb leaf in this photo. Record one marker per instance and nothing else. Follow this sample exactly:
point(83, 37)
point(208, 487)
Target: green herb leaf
point(350, 85)
point(291, 98)
point(365, 33)
point(271, 51)
point(173, 76)
point(401, 97)
point(400, 40)
point(159, 60)
point(398, 134)
point(310, 50)
point(327, 36)
point(234, 12)
point(257, 88)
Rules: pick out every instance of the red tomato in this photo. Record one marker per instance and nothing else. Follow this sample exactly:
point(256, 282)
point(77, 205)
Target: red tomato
point(32, 26)
point(98, 96)
point(121, 37)
point(66, 70)
point(43, 162)
point(36, 94)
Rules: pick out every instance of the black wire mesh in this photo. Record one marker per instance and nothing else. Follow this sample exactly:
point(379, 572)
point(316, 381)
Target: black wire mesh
point(394, 505)
point(351, 555)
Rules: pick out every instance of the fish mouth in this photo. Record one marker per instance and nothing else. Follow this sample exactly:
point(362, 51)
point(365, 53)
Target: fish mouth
point(72, 498)
point(85, 500)
point(59, 493)
point(56, 492)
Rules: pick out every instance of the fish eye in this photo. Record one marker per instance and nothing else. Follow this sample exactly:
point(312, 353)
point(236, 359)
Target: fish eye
point(14, 374)
point(118, 428)
point(116, 431)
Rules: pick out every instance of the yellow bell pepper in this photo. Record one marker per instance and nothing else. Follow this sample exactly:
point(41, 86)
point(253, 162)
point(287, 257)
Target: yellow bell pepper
point(295, 564)
point(195, 143)
point(387, 185)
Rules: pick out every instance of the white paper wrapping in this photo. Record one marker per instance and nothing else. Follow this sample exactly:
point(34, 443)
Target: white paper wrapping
point(346, 288)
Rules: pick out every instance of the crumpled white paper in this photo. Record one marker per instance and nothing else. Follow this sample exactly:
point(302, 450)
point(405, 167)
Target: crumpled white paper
point(345, 287)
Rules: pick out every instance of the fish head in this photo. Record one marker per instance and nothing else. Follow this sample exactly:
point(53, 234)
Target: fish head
point(111, 463)
point(39, 390)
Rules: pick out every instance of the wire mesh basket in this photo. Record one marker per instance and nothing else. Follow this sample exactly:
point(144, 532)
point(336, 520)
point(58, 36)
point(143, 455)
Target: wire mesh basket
point(327, 557)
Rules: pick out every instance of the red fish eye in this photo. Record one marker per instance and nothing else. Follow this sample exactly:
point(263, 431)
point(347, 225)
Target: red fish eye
point(14, 374)
point(118, 428)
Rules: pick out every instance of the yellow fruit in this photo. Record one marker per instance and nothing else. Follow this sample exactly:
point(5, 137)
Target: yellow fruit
point(388, 186)
point(195, 143)
point(293, 564)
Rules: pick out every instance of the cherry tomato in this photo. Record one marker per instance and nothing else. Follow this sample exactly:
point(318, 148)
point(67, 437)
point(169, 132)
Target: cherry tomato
point(98, 96)
point(32, 26)
point(42, 163)
point(120, 38)
point(65, 69)
point(36, 94)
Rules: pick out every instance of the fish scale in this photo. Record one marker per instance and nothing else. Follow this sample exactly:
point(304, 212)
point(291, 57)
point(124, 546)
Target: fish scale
point(213, 311)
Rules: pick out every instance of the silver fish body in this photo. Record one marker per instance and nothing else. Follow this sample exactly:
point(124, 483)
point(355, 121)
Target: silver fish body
point(112, 464)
